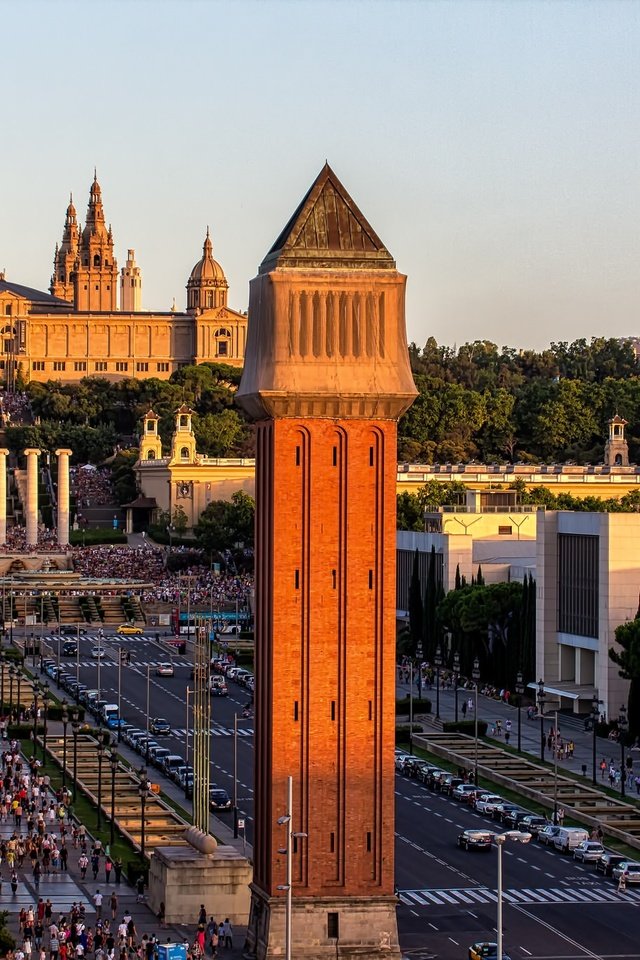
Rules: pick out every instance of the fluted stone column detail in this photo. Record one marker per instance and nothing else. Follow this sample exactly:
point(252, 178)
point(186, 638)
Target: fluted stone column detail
point(63, 496)
point(32, 454)
point(4, 453)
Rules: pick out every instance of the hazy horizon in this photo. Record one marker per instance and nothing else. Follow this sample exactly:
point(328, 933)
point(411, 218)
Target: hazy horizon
point(493, 146)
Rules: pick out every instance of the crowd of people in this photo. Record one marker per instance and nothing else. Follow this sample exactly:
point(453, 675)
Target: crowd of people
point(15, 408)
point(91, 486)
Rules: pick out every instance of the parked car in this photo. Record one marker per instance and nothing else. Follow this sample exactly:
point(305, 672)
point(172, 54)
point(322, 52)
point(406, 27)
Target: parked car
point(568, 838)
point(631, 870)
point(424, 772)
point(160, 725)
point(589, 851)
point(219, 799)
point(171, 764)
point(488, 802)
point(165, 669)
point(548, 834)
point(464, 792)
point(400, 760)
point(608, 861)
point(157, 754)
point(534, 824)
point(502, 810)
point(449, 784)
point(475, 839)
point(514, 818)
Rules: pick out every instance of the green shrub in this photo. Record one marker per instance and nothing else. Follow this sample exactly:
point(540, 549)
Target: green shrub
point(96, 535)
point(465, 726)
point(422, 705)
point(403, 731)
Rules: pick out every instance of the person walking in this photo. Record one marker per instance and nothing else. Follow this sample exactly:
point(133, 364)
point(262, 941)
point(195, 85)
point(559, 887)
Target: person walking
point(113, 903)
point(228, 935)
point(622, 882)
point(161, 914)
point(97, 902)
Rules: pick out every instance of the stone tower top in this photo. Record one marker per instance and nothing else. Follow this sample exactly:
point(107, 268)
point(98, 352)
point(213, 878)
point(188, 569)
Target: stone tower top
point(327, 333)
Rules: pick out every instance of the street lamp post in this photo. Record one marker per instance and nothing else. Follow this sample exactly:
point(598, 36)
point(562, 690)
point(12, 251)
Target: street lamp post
point(12, 673)
point(595, 706)
point(555, 768)
point(287, 820)
point(100, 757)
point(19, 699)
point(65, 721)
point(475, 673)
point(186, 776)
point(46, 696)
point(456, 679)
point(500, 840)
point(119, 693)
point(143, 790)
point(3, 660)
point(622, 727)
point(113, 760)
point(541, 699)
point(438, 663)
point(75, 726)
point(36, 692)
point(146, 752)
point(519, 691)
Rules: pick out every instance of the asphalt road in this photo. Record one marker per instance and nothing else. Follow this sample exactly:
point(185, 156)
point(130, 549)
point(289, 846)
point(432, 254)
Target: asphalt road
point(555, 909)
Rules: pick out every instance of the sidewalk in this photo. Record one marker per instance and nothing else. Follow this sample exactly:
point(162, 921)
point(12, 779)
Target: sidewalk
point(570, 729)
point(64, 888)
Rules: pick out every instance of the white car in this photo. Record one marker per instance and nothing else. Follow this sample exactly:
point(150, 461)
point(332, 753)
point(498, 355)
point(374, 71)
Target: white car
point(98, 653)
point(589, 851)
point(164, 669)
point(488, 804)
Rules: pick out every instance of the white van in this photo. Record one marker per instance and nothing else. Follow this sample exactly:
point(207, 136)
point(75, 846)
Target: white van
point(568, 838)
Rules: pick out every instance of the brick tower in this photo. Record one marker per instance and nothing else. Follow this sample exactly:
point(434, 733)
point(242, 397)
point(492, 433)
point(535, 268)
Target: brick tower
point(326, 377)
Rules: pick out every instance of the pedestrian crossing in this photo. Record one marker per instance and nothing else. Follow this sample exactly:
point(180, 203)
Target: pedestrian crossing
point(106, 662)
point(473, 896)
point(217, 731)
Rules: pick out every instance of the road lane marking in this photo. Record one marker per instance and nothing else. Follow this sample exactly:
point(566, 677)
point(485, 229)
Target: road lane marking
point(552, 929)
point(433, 926)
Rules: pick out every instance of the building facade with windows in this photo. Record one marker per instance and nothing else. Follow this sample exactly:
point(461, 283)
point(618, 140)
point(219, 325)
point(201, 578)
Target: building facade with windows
point(588, 582)
point(82, 328)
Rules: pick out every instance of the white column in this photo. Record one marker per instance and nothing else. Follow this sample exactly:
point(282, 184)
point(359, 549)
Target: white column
point(4, 453)
point(32, 454)
point(63, 495)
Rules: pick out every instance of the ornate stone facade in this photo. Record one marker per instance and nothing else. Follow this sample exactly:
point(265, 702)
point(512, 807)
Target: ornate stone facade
point(77, 330)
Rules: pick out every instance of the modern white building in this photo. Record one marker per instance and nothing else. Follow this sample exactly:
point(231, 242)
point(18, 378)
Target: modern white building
point(588, 581)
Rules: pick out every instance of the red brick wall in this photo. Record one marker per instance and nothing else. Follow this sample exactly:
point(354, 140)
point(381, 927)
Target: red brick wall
point(325, 642)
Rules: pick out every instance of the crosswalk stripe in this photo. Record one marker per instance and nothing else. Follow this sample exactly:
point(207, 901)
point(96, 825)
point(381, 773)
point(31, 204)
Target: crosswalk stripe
point(467, 895)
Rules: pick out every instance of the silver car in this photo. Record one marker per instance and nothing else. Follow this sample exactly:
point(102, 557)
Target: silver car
point(589, 851)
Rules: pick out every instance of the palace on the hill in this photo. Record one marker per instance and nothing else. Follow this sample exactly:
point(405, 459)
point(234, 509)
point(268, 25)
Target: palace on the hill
point(79, 329)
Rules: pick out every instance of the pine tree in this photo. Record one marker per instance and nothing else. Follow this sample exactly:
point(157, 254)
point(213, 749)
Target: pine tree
point(458, 583)
point(479, 577)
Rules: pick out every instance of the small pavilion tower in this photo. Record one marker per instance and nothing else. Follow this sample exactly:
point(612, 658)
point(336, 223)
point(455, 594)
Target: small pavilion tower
point(65, 257)
point(183, 442)
point(131, 285)
point(150, 443)
point(207, 286)
point(616, 449)
point(96, 271)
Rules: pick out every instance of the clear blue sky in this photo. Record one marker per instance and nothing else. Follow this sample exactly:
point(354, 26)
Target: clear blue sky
point(493, 146)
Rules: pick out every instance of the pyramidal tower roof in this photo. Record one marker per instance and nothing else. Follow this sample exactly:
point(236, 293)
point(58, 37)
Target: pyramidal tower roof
point(328, 230)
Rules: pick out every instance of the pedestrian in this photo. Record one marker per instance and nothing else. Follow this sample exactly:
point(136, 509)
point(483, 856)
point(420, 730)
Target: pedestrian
point(228, 934)
point(161, 914)
point(83, 863)
point(622, 882)
point(117, 869)
point(202, 916)
point(464, 708)
point(97, 902)
point(108, 866)
point(140, 889)
point(560, 815)
point(113, 902)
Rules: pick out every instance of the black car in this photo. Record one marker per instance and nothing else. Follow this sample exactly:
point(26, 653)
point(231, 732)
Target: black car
point(219, 799)
point(515, 817)
point(69, 648)
point(68, 630)
point(475, 839)
point(449, 784)
point(608, 861)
